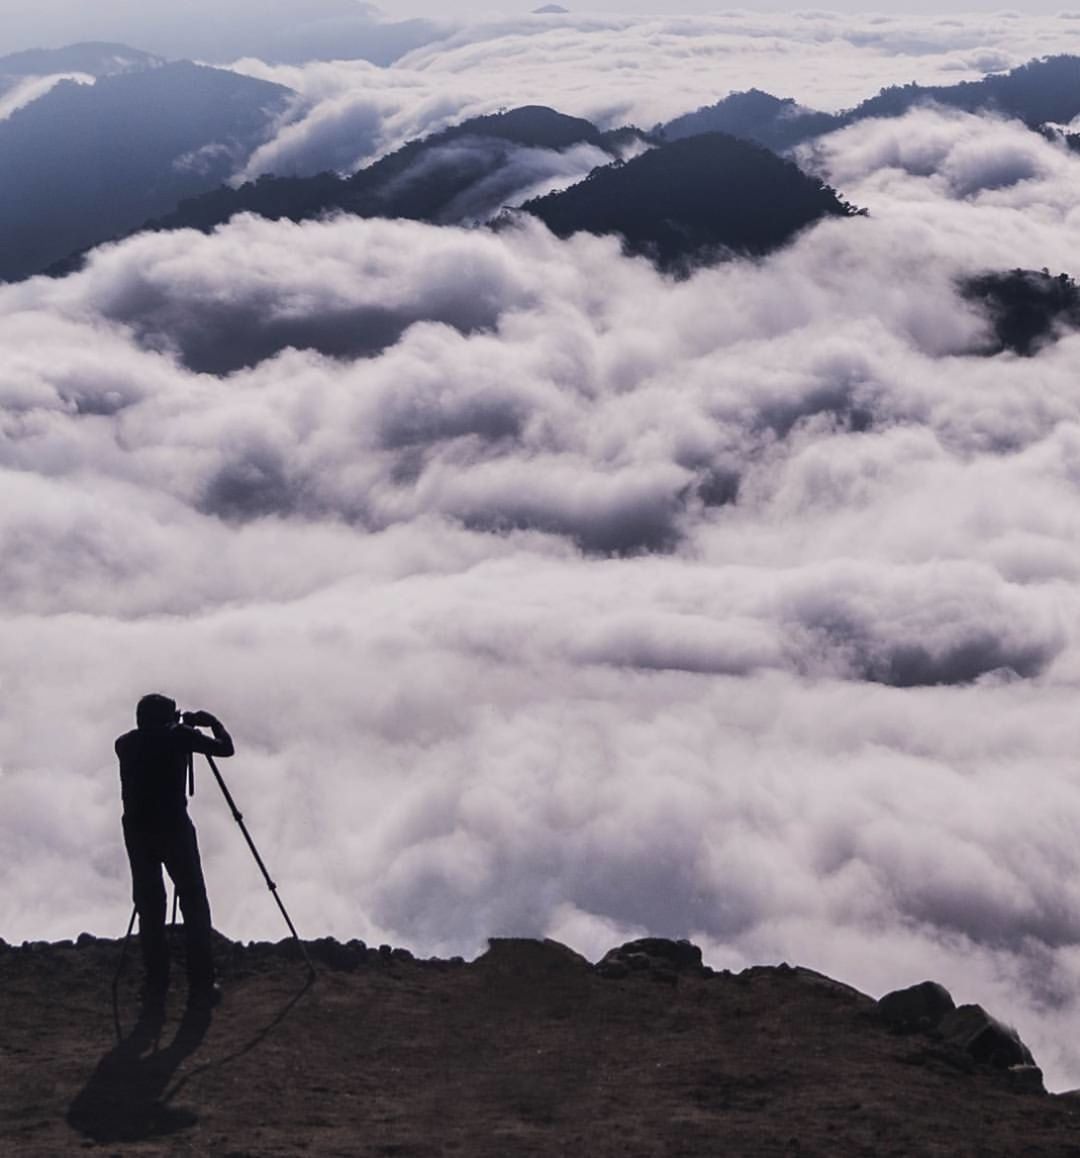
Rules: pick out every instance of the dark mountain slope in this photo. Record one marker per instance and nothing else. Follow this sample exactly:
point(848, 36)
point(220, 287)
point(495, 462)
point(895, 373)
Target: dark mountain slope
point(426, 180)
point(86, 162)
point(1040, 92)
point(693, 200)
point(528, 1050)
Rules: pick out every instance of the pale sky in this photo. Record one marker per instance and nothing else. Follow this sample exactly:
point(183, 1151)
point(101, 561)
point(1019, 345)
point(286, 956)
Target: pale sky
point(173, 29)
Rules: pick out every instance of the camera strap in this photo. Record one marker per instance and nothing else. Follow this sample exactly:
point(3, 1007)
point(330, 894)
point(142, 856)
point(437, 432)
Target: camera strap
point(191, 774)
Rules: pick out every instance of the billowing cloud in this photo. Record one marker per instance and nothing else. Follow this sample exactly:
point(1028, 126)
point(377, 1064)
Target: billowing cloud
point(615, 70)
point(961, 154)
point(334, 135)
point(27, 89)
point(548, 595)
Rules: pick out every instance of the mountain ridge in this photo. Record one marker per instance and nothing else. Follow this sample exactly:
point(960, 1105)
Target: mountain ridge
point(693, 200)
point(532, 159)
point(679, 203)
point(365, 192)
point(1040, 92)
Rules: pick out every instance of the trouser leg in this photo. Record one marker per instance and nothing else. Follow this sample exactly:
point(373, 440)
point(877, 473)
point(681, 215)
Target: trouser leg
point(185, 868)
point(148, 893)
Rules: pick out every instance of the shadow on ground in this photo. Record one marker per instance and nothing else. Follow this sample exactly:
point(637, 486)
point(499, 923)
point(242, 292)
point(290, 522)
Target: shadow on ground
point(130, 1098)
point(127, 1097)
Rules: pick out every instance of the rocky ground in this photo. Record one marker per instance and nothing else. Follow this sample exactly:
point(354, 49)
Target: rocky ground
point(529, 1050)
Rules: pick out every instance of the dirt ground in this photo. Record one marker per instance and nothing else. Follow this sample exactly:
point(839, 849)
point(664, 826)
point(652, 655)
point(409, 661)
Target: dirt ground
point(526, 1051)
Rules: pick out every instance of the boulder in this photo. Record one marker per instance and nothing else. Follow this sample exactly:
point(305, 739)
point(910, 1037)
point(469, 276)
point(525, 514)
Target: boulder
point(984, 1038)
point(659, 957)
point(919, 1007)
point(529, 957)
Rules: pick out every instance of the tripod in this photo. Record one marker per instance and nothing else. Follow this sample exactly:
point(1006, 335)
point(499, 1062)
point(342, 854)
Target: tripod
point(238, 817)
point(258, 860)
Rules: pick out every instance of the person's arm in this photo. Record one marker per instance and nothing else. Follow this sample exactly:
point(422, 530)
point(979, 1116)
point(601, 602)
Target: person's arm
point(219, 744)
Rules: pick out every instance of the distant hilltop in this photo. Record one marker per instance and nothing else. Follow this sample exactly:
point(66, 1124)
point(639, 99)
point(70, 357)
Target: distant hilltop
point(528, 1049)
point(1043, 93)
point(156, 145)
point(94, 58)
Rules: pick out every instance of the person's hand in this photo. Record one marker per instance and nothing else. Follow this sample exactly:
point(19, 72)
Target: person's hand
point(200, 719)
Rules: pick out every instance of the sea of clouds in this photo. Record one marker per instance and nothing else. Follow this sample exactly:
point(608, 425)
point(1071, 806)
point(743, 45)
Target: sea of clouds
point(616, 70)
point(545, 595)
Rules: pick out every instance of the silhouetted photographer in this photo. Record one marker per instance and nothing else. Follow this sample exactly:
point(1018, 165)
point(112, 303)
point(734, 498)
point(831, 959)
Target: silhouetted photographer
point(155, 767)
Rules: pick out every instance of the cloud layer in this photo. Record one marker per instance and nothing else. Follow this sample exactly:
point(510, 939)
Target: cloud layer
point(617, 69)
point(546, 595)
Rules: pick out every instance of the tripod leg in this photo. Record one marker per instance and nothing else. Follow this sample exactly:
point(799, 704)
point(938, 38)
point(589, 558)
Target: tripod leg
point(259, 861)
point(119, 971)
point(124, 948)
point(123, 954)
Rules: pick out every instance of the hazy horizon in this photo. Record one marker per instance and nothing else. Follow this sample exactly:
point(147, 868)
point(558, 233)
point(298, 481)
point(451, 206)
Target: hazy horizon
point(207, 28)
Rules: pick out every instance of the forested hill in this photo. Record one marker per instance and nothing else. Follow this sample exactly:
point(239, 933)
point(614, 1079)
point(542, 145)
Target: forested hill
point(428, 179)
point(1027, 309)
point(1040, 92)
point(775, 122)
point(699, 199)
point(694, 199)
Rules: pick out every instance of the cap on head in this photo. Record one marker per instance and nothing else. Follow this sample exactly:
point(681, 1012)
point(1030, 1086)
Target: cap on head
point(155, 711)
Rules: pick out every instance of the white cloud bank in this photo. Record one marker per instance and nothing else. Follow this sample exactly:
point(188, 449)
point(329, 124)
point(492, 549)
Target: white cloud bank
point(617, 69)
point(547, 596)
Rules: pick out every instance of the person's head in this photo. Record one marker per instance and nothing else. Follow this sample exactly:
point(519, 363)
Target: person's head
point(155, 711)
